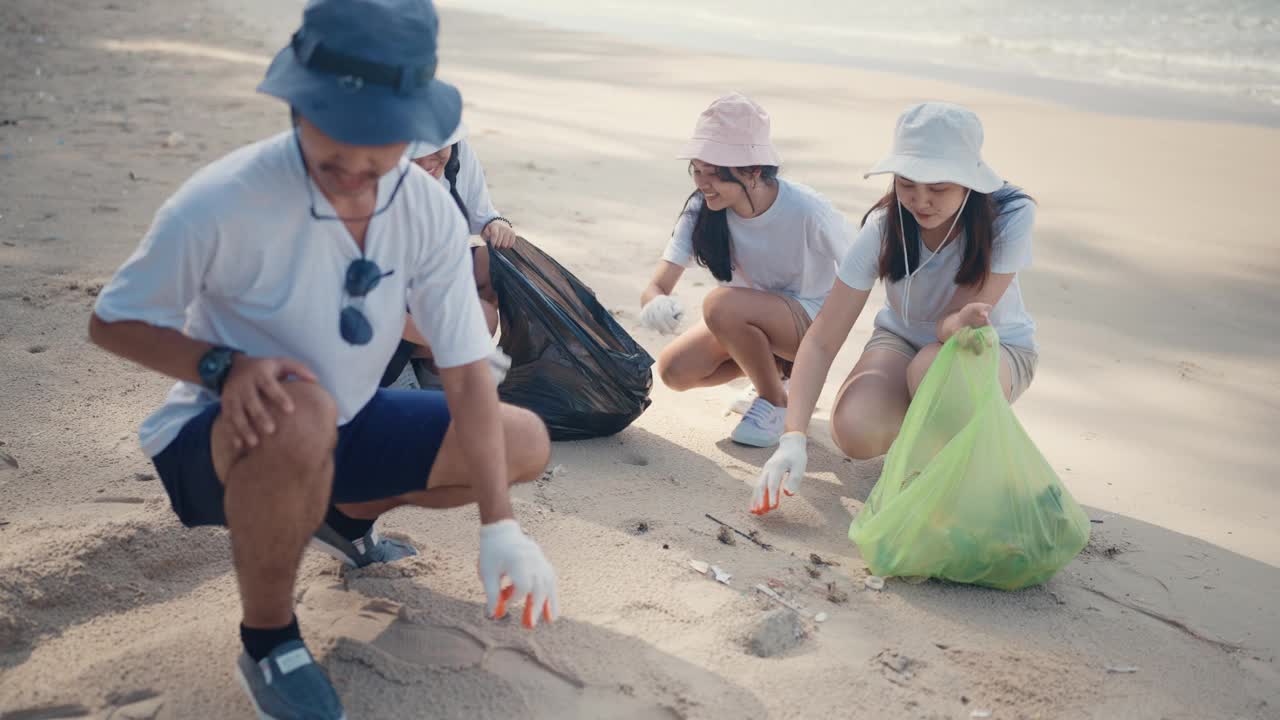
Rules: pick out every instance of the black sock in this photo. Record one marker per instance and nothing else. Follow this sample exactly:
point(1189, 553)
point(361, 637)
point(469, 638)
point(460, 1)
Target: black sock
point(348, 527)
point(259, 642)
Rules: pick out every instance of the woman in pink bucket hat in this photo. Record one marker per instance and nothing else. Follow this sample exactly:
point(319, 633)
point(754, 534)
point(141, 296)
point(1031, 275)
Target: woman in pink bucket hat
point(948, 239)
point(772, 244)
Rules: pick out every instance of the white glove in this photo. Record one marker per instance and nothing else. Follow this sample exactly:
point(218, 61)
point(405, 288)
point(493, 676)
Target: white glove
point(788, 462)
point(505, 551)
point(663, 313)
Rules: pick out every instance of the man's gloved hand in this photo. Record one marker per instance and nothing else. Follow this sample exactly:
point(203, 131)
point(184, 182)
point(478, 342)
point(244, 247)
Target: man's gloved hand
point(505, 551)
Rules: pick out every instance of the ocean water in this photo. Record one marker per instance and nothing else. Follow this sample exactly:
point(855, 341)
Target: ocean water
point(1204, 59)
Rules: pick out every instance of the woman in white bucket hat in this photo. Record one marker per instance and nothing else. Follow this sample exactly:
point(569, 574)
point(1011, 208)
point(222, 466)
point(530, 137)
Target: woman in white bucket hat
point(455, 164)
point(948, 240)
point(772, 244)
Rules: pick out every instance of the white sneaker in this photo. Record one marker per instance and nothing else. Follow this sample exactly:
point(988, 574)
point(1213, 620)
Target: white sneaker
point(742, 403)
point(762, 425)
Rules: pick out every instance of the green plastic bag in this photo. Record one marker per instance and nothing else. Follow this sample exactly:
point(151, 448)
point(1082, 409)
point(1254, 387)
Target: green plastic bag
point(965, 495)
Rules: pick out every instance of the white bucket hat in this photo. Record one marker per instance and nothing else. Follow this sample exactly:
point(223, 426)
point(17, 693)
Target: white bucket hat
point(421, 150)
point(937, 142)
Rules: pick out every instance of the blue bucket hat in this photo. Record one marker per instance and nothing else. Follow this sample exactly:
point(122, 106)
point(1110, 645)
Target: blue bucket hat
point(363, 71)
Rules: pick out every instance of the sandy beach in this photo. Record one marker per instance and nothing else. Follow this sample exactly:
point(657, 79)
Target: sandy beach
point(1157, 397)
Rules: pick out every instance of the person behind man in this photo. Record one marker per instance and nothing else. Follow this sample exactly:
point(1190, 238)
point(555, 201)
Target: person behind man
point(455, 165)
point(273, 286)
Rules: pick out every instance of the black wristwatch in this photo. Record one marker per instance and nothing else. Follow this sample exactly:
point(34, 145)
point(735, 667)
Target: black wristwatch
point(214, 367)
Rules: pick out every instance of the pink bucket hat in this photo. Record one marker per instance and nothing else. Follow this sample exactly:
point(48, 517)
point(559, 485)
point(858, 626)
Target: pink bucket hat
point(733, 132)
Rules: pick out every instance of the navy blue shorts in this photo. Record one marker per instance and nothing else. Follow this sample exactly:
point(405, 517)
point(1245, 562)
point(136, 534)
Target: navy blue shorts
point(386, 450)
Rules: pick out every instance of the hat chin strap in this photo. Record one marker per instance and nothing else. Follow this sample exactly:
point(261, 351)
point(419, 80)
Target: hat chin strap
point(906, 261)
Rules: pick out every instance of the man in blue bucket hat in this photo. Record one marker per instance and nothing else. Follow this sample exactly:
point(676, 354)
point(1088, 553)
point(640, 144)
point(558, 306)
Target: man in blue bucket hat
point(273, 287)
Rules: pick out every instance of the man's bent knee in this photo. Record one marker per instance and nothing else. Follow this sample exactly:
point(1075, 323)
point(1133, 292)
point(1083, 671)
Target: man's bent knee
point(528, 443)
point(307, 436)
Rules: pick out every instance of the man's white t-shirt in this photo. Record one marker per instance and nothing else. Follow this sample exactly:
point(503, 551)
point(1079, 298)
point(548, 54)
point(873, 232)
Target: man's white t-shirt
point(933, 286)
point(791, 249)
point(472, 188)
point(235, 258)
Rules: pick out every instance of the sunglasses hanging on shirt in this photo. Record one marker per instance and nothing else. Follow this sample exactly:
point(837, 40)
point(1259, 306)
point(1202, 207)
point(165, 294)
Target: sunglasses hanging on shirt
point(363, 276)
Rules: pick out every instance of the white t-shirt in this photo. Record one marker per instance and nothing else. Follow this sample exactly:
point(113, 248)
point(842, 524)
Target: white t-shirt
point(235, 258)
point(791, 249)
point(472, 188)
point(933, 286)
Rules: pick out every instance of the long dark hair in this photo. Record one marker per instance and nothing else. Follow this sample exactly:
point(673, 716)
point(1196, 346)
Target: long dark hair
point(711, 241)
point(451, 169)
point(978, 220)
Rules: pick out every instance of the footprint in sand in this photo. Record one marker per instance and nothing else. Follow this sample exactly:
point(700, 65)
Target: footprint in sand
point(634, 460)
point(403, 646)
point(116, 499)
point(1188, 370)
point(136, 705)
point(53, 712)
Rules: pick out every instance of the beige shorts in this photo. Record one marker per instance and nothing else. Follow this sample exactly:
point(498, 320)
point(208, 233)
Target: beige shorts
point(800, 316)
point(1022, 362)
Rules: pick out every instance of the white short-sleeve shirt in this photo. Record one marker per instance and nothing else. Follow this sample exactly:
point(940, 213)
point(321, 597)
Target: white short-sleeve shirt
point(472, 188)
point(235, 258)
point(791, 249)
point(933, 286)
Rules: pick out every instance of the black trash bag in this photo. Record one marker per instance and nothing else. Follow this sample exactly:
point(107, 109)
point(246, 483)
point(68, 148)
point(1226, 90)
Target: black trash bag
point(571, 363)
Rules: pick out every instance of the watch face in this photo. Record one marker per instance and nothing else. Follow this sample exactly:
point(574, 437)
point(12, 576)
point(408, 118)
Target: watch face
point(208, 365)
point(212, 366)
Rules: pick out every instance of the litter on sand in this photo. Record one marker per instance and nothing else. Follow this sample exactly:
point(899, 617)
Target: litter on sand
point(820, 617)
point(750, 536)
point(874, 582)
point(1122, 669)
point(699, 566)
point(720, 575)
point(980, 714)
point(773, 595)
point(726, 536)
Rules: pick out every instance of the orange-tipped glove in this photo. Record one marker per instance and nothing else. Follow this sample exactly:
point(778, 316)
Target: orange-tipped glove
point(505, 551)
point(782, 474)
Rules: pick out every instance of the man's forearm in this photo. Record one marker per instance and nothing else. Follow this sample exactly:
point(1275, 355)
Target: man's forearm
point(163, 350)
point(477, 418)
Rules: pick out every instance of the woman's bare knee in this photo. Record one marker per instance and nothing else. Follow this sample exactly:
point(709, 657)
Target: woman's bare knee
point(862, 442)
point(866, 429)
point(674, 373)
point(720, 312)
point(919, 366)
